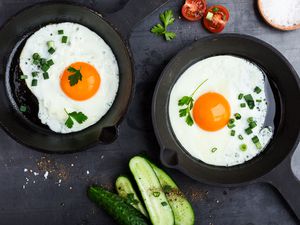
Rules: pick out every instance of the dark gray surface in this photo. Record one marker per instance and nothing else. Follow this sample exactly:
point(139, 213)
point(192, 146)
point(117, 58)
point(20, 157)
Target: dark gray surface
point(48, 202)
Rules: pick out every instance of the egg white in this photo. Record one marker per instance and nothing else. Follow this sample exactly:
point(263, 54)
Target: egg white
point(83, 45)
point(228, 76)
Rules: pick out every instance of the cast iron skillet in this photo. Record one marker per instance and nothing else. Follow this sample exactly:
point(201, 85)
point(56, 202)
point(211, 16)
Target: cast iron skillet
point(26, 128)
point(274, 164)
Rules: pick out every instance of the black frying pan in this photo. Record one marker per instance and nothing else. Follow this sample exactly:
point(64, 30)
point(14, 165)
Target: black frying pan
point(26, 128)
point(273, 165)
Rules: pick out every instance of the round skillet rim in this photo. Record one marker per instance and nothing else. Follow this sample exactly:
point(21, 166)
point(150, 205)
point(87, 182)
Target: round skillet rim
point(124, 41)
point(191, 159)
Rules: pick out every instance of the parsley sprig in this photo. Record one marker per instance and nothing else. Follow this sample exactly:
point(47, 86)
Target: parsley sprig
point(75, 76)
point(167, 18)
point(188, 101)
point(79, 117)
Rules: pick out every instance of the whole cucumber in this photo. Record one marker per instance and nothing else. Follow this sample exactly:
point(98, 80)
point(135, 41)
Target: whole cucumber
point(116, 207)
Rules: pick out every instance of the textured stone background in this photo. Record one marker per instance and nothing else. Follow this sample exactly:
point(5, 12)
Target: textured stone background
point(61, 199)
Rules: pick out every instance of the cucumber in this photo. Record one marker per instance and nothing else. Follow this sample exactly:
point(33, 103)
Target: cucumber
point(156, 202)
point(126, 191)
point(182, 209)
point(116, 206)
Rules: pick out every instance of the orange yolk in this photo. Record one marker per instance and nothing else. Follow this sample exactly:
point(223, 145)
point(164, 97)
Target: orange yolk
point(211, 111)
point(86, 87)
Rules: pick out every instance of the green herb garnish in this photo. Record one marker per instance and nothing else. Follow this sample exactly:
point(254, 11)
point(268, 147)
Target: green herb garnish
point(257, 90)
point(242, 105)
point(232, 132)
point(215, 9)
point(250, 119)
point(36, 56)
point(45, 75)
point(248, 130)
point(50, 44)
point(240, 96)
point(164, 203)
point(167, 19)
point(23, 108)
point(34, 82)
point(237, 116)
point(257, 143)
point(79, 117)
point(249, 100)
point(243, 147)
point(75, 76)
point(60, 31)
point(23, 77)
point(51, 50)
point(50, 62)
point(188, 101)
point(64, 39)
point(240, 137)
point(252, 124)
point(156, 194)
point(45, 67)
point(258, 100)
point(34, 74)
point(213, 149)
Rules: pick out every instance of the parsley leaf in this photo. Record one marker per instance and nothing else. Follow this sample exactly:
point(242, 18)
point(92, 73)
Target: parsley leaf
point(167, 18)
point(188, 102)
point(79, 117)
point(75, 77)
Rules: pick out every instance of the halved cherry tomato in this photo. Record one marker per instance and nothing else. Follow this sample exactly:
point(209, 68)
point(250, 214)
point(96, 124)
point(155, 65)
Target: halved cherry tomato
point(216, 18)
point(193, 10)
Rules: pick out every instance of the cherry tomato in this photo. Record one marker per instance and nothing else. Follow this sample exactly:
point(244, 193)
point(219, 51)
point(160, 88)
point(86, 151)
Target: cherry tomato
point(216, 18)
point(193, 10)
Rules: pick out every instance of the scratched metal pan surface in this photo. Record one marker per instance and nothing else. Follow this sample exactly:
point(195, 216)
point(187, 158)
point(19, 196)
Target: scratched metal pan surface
point(273, 165)
point(26, 128)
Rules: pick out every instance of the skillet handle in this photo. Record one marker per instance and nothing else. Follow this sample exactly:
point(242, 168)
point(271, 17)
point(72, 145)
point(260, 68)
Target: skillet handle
point(133, 12)
point(284, 180)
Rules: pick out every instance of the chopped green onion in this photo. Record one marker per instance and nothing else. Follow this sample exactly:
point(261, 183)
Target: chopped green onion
point(240, 96)
point(215, 9)
point(64, 39)
point(34, 74)
point(36, 56)
point(230, 126)
point(45, 75)
point(255, 140)
point(243, 147)
point(248, 130)
point(23, 108)
point(23, 77)
point(252, 124)
point(43, 61)
point(51, 50)
point(240, 137)
point(36, 62)
point(232, 132)
point(60, 32)
point(257, 90)
point(231, 121)
point(237, 116)
point(50, 44)
point(258, 100)
point(50, 62)
point(250, 119)
point(156, 194)
point(45, 67)
point(214, 149)
point(164, 203)
point(34, 82)
point(249, 100)
point(242, 105)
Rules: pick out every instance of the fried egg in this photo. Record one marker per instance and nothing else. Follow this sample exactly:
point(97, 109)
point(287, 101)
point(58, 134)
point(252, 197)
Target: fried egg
point(81, 74)
point(211, 138)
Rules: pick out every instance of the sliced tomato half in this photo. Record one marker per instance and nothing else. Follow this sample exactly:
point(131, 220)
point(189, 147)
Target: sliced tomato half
point(193, 10)
point(216, 18)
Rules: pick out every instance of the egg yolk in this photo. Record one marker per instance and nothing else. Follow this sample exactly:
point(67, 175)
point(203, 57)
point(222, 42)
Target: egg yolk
point(211, 111)
point(86, 87)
